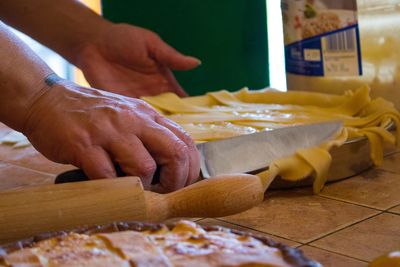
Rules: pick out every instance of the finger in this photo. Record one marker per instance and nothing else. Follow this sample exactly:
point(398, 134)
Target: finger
point(158, 189)
point(102, 76)
point(167, 55)
point(97, 75)
point(96, 163)
point(173, 84)
point(194, 156)
point(180, 92)
point(134, 159)
point(170, 153)
point(107, 76)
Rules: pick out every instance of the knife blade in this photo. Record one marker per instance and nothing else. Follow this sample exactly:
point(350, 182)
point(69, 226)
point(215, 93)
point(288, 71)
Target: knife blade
point(252, 152)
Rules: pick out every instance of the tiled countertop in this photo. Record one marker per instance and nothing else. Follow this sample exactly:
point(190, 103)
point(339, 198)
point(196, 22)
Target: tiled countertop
point(350, 223)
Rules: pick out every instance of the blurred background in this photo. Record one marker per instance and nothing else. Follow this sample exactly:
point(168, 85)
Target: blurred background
point(275, 49)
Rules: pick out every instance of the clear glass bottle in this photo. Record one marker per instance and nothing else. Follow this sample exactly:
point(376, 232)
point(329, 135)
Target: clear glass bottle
point(379, 25)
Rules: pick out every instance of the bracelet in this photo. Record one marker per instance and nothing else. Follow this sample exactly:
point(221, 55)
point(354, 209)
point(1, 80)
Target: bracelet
point(52, 79)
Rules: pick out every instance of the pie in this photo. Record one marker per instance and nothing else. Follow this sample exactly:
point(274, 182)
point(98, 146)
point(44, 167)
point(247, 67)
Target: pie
point(137, 244)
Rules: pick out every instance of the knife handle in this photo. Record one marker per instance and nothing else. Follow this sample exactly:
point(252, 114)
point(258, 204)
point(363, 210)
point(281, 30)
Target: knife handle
point(216, 197)
point(78, 175)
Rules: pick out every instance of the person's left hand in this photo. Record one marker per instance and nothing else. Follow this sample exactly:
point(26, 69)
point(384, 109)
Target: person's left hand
point(132, 61)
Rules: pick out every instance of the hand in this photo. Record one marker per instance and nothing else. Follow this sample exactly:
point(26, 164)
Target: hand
point(132, 61)
point(93, 129)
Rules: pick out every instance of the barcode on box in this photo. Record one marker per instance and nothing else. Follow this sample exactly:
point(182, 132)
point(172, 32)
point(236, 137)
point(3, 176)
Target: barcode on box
point(341, 42)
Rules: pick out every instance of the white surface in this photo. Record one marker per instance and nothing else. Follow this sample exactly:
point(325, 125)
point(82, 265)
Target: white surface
point(15, 139)
point(275, 45)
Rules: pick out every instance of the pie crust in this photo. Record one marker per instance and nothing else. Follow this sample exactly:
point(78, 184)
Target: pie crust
point(142, 244)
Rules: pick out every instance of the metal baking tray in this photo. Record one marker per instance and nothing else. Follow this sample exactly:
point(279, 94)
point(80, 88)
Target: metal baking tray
point(348, 160)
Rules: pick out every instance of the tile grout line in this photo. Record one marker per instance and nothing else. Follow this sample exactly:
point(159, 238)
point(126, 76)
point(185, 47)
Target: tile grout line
point(392, 207)
point(353, 203)
point(347, 256)
point(347, 226)
point(391, 212)
point(281, 237)
point(320, 237)
point(389, 154)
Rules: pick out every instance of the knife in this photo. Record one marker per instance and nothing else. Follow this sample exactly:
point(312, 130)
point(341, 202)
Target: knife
point(254, 152)
point(249, 153)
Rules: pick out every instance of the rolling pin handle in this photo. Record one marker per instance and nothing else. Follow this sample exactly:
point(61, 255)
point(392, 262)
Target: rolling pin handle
point(215, 197)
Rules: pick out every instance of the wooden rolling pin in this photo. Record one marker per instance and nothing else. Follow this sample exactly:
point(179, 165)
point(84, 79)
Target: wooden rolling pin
point(29, 211)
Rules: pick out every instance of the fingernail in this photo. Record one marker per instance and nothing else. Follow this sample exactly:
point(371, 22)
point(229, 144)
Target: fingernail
point(198, 61)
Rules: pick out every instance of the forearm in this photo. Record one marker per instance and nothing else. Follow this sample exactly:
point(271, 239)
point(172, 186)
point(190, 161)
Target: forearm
point(22, 78)
point(65, 26)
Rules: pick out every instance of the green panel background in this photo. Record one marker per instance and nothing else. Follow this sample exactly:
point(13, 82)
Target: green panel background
point(229, 36)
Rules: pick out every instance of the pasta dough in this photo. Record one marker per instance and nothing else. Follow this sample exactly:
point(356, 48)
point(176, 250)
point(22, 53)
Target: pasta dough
point(222, 114)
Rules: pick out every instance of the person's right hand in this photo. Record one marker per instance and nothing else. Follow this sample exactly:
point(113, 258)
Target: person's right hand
point(93, 129)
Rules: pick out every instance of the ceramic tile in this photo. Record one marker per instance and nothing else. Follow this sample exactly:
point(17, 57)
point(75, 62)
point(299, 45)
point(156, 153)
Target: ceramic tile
point(12, 176)
point(391, 163)
point(375, 188)
point(330, 259)
point(213, 222)
point(30, 158)
point(395, 209)
point(389, 149)
point(365, 240)
point(300, 216)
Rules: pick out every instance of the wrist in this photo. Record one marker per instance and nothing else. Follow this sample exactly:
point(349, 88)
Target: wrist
point(35, 104)
point(19, 97)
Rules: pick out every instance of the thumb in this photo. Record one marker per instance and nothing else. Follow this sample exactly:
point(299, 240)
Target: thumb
point(165, 54)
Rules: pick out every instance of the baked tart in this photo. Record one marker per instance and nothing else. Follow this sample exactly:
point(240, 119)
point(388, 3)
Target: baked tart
point(140, 244)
